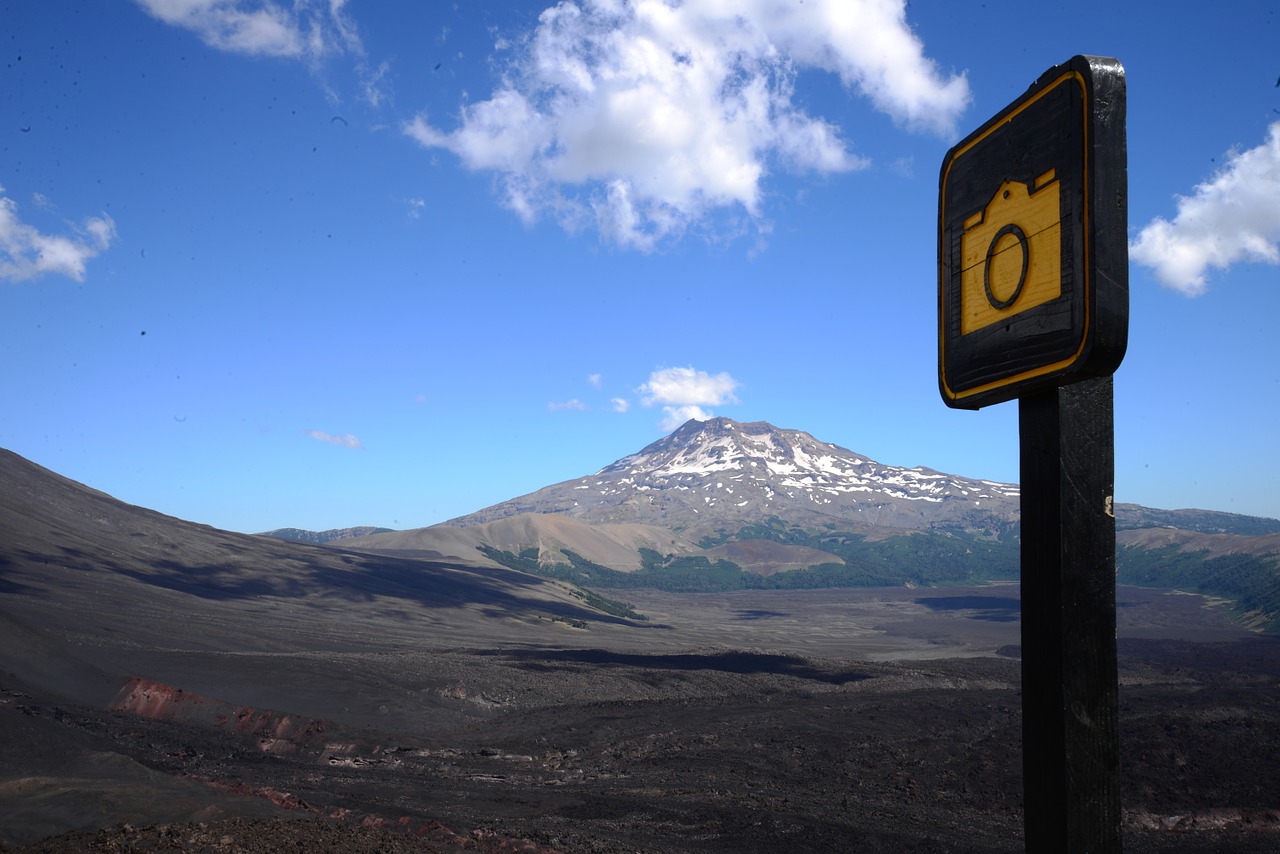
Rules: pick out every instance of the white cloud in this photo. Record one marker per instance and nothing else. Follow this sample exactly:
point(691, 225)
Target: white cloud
point(684, 392)
point(26, 253)
point(594, 380)
point(573, 405)
point(620, 404)
point(1234, 216)
point(645, 117)
point(345, 440)
point(300, 29)
point(688, 386)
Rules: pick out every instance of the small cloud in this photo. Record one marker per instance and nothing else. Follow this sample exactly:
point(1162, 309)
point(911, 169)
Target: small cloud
point(302, 29)
point(688, 386)
point(345, 440)
point(419, 398)
point(620, 404)
point(594, 380)
point(574, 405)
point(1234, 216)
point(27, 253)
point(684, 392)
point(416, 207)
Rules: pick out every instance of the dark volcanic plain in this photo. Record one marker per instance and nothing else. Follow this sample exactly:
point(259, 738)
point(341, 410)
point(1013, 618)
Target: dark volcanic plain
point(165, 686)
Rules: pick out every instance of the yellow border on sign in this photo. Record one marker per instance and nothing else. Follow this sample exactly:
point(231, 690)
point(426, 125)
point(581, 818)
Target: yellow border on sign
point(1088, 272)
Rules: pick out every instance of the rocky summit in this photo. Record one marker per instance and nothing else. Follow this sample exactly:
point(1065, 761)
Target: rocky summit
point(713, 477)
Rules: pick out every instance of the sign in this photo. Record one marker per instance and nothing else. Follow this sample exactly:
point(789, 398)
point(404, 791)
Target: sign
point(1033, 304)
point(1029, 296)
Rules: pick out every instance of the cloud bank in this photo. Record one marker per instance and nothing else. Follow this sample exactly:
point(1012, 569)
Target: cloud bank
point(26, 253)
point(684, 392)
point(1234, 216)
point(643, 117)
point(300, 29)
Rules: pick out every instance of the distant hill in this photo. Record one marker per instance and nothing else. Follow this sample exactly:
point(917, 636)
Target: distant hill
point(1134, 516)
point(298, 535)
point(722, 505)
point(552, 535)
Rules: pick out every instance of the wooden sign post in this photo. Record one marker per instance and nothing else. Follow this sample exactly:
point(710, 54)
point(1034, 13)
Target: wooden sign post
point(1033, 304)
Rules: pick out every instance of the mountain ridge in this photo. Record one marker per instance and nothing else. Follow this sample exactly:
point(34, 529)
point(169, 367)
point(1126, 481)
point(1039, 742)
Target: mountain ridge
point(707, 477)
point(750, 505)
point(300, 535)
point(699, 456)
point(616, 545)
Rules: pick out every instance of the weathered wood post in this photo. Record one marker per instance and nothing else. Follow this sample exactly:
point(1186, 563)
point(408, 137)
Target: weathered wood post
point(1033, 304)
point(1070, 744)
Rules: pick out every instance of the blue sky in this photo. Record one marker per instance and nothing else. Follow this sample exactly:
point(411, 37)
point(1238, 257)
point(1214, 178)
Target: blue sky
point(320, 264)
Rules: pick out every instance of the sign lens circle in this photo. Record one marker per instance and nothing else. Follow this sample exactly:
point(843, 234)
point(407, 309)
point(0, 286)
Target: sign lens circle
point(993, 250)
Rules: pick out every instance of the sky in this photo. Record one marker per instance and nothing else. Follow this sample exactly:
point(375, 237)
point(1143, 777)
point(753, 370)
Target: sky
point(326, 263)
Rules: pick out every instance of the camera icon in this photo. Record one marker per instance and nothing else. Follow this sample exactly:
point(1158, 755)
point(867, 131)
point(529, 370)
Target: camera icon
point(1011, 253)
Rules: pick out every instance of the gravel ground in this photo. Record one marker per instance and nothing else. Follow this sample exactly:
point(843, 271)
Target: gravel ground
point(711, 751)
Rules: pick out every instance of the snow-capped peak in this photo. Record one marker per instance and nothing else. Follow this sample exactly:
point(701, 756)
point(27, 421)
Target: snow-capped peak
point(790, 459)
point(720, 474)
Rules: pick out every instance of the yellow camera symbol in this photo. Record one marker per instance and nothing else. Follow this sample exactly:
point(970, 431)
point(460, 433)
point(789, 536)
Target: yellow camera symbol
point(1011, 253)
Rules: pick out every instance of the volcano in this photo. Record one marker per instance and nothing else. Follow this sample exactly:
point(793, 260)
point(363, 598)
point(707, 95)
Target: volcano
point(713, 477)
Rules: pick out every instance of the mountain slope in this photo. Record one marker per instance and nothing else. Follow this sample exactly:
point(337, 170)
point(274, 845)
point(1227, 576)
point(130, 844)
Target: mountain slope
point(1134, 516)
point(741, 496)
point(320, 537)
point(775, 508)
point(79, 569)
point(1215, 544)
point(613, 545)
point(710, 478)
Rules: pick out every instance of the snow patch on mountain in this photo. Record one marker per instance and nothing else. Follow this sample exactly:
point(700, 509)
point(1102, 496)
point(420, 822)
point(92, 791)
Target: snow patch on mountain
point(780, 459)
point(719, 475)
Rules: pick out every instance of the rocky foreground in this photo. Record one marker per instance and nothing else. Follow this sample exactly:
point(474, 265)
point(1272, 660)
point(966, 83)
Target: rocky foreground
point(715, 751)
point(169, 686)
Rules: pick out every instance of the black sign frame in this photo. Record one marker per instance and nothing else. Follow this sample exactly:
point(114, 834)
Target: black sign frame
point(1068, 131)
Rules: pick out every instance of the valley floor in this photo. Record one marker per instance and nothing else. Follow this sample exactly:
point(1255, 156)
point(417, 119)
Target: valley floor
point(787, 722)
